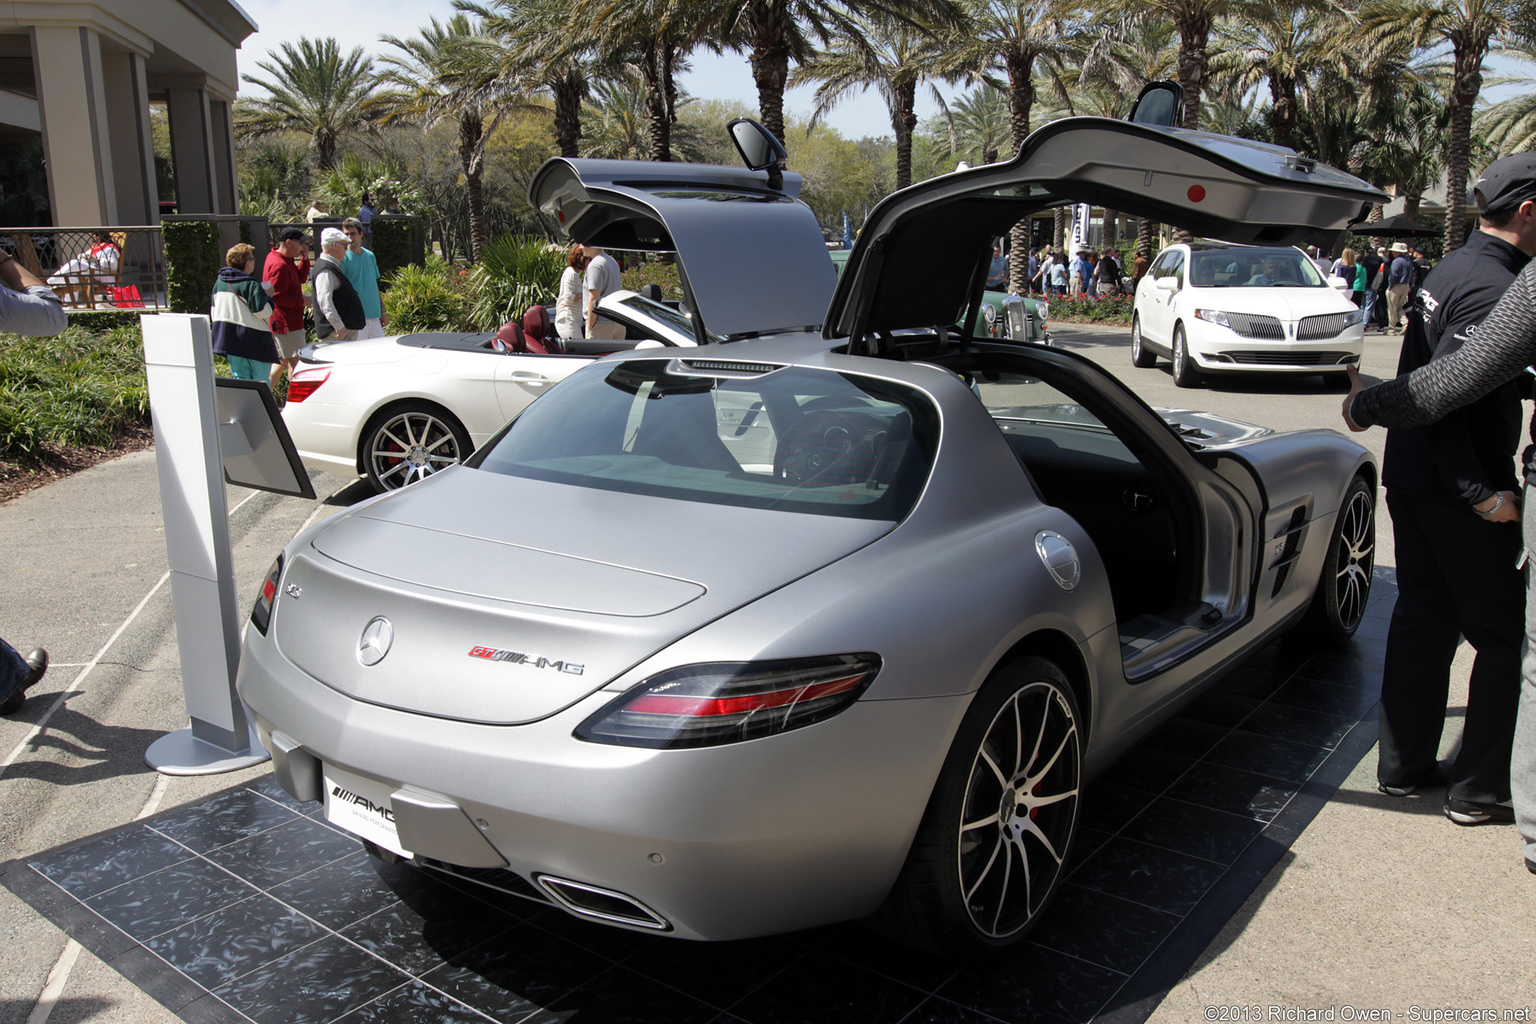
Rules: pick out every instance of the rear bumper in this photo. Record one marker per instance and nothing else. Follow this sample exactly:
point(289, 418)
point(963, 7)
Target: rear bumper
point(325, 435)
point(728, 842)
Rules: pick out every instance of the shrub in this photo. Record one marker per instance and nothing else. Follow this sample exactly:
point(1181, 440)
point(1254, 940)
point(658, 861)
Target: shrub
point(192, 262)
point(1081, 308)
point(428, 297)
point(655, 271)
point(100, 321)
point(515, 272)
point(77, 388)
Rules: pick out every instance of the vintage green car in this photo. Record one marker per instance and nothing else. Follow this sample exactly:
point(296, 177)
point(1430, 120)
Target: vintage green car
point(1006, 316)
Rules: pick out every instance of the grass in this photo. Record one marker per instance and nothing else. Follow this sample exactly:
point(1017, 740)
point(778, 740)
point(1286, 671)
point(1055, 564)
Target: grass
point(80, 388)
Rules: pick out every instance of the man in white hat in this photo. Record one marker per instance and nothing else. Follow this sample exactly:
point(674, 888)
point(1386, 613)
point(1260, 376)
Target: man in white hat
point(1399, 280)
point(339, 311)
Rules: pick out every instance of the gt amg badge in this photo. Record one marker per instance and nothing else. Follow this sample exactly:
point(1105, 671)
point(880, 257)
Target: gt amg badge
point(346, 796)
point(519, 658)
point(375, 642)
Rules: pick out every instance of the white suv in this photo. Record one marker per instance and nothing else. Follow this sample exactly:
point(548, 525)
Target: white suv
point(1215, 307)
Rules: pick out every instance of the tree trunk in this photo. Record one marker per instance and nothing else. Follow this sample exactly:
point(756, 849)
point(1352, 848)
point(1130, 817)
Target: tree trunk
point(1282, 124)
point(1021, 101)
point(1468, 82)
point(770, 63)
point(1146, 233)
point(1059, 231)
point(568, 90)
point(904, 122)
point(472, 159)
point(652, 62)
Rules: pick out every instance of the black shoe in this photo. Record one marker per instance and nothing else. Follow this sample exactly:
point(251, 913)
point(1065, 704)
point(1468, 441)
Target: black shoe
point(1465, 812)
point(1438, 777)
point(37, 665)
point(1530, 865)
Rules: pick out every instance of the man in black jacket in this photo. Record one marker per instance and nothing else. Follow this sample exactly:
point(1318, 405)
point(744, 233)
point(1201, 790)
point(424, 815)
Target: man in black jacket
point(1452, 494)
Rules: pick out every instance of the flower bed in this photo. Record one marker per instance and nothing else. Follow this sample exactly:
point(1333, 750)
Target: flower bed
point(1089, 309)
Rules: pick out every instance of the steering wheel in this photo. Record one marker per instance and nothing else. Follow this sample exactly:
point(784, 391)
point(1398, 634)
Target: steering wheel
point(828, 448)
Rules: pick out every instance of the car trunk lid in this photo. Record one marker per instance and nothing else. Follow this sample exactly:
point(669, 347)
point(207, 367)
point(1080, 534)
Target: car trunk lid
point(494, 616)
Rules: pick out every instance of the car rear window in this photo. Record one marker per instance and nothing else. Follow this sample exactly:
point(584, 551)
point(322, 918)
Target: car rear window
point(794, 439)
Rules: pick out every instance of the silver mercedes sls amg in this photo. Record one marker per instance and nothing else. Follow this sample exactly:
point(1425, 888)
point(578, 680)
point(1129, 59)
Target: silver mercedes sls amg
point(831, 620)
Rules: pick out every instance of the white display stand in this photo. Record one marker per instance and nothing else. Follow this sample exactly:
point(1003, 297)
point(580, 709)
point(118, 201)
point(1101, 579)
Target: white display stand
point(188, 433)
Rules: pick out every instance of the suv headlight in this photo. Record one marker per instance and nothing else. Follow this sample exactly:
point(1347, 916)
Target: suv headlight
point(1214, 316)
point(1352, 318)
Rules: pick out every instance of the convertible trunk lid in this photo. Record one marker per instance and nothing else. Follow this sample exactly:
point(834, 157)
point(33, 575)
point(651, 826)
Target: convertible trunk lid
point(494, 615)
point(761, 269)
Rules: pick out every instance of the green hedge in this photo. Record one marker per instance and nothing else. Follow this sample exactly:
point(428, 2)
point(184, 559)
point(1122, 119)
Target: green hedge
point(192, 261)
point(100, 321)
point(78, 388)
point(1084, 309)
point(397, 242)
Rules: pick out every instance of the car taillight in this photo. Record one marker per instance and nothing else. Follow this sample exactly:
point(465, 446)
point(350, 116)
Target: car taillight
point(304, 383)
point(261, 615)
point(707, 705)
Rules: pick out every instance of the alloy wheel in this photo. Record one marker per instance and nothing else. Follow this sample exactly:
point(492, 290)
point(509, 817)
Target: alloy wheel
point(1020, 809)
point(411, 446)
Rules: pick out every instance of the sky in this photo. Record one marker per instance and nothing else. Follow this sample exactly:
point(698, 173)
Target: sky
point(362, 22)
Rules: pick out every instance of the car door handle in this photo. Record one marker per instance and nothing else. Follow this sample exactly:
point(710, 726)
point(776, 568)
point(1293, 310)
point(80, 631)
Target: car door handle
point(529, 377)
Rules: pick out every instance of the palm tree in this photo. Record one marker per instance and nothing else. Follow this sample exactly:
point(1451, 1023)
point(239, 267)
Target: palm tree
point(1509, 126)
point(887, 55)
point(654, 38)
point(530, 49)
point(616, 121)
point(313, 89)
point(774, 32)
point(420, 81)
point(1286, 46)
point(979, 124)
point(1014, 38)
point(1469, 29)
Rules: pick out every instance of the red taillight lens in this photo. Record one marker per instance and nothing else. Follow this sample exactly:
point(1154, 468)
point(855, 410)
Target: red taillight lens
point(304, 383)
point(261, 615)
point(707, 705)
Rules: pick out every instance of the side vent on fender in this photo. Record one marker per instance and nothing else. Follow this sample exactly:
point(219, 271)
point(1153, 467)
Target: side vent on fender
point(1287, 557)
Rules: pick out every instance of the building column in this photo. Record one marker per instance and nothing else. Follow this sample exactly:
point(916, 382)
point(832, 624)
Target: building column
point(133, 153)
point(76, 140)
point(192, 149)
point(226, 182)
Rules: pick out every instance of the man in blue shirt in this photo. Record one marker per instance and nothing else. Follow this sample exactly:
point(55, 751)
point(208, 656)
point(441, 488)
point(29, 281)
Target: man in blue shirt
point(997, 273)
point(1399, 281)
point(1083, 271)
point(362, 270)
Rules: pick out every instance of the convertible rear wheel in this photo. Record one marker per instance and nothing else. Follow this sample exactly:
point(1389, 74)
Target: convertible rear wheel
point(1345, 585)
point(1184, 373)
point(409, 442)
point(1140, 355)
point(990, 851)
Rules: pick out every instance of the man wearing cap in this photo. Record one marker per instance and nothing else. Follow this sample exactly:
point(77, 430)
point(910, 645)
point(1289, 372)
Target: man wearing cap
point(339, 313)
point(283, 276)
point(1453, 496)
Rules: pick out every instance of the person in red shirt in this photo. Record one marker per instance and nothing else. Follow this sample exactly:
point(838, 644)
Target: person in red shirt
point(283, 276)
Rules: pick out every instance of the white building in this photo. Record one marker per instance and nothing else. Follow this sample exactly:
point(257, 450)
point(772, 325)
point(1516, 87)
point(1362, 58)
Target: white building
point(79, 76)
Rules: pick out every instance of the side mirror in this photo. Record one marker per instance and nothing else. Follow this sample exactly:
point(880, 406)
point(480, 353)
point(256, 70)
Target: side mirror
point(1341, 284)
point(1159, 103)
point(1167, 284)
point(759, 150)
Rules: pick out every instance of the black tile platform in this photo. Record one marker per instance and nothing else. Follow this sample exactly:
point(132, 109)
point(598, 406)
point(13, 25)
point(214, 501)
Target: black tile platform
point(248, 907)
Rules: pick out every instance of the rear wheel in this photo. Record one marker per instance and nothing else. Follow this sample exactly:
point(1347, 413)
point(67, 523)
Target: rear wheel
point(1345, 585)
point(410, 441)
point(990, 851)
point(1140, 355)
point(1184, 373)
